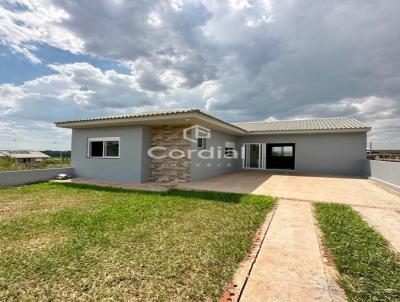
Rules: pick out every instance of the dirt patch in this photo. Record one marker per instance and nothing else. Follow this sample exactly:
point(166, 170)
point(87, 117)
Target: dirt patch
point(36, 243)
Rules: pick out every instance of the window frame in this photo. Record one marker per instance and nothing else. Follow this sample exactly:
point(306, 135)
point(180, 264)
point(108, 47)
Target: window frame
point(103, 140)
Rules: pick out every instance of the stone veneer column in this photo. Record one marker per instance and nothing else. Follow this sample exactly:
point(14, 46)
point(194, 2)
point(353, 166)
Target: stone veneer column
point(169, 169)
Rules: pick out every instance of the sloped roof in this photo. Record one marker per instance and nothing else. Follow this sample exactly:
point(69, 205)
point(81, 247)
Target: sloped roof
point(318, 124)
point(284, 126)
point(133, 115)
point(24, 154)
point(151, 116)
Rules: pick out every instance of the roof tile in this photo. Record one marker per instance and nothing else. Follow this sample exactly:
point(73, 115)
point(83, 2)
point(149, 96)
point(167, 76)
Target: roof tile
point(318, 124)
point(333, 123)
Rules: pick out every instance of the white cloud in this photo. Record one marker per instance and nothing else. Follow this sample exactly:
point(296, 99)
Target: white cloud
point(240, 60)
point(27, 111)
point(34, 22)
point(80, 87)
point(382, 114)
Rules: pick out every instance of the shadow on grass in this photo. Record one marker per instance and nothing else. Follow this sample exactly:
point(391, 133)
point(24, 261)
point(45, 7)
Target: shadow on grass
point(208, 195)
point(201, 195)
point(103, 188)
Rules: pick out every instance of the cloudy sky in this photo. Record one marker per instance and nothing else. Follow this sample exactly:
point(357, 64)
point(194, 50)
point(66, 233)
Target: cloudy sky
point(239, 60)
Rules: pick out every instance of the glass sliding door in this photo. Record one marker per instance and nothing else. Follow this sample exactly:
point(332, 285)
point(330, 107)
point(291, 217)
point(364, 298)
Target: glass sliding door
point(281, 156)
point(254, 156)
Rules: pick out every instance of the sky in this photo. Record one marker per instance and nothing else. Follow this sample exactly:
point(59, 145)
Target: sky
point(239, 60)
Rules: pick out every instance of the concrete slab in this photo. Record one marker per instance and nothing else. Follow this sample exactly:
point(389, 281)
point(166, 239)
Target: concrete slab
point(290, 266)
point(353, 191)
point(386, 221)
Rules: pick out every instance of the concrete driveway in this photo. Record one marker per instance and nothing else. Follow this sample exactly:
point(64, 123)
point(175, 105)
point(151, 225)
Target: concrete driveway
point(379, 206)
point(290, 265)
point(353, 191)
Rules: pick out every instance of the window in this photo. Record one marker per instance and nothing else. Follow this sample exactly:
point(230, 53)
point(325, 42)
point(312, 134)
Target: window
point(111, 148)
point(276, 151)
point(106, 147)
point(229, 150)
point(96, 149)
point(288, 151)
point(201, 143)
point(279, 151)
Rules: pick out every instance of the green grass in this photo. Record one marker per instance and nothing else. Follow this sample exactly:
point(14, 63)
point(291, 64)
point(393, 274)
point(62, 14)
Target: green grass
point(369, 270)
point(76, 242)
point(8, 164)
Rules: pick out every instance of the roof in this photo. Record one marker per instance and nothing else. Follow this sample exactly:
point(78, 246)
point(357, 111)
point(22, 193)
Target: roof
point(133, 115)
point(23, 154)
point(192, 115)
point(305, 125)
point(334, 124)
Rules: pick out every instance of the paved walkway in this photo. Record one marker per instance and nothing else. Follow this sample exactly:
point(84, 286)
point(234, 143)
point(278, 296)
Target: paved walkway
point(380, 207)
point(386, 221)
point(290, 266)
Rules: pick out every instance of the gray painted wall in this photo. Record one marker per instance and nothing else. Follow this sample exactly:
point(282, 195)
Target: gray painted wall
point(129, 167)
point(16, 178)
point(146, 145)
point(335, 154)
point(385, 172)
point(203, 168)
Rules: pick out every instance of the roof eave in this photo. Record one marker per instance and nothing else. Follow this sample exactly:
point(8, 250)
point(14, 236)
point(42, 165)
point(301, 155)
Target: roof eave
point(194, 116)
point(328, 131)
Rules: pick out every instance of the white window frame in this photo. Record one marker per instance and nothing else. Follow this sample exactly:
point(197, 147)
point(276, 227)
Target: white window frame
point(261, 154)
point(104, 139)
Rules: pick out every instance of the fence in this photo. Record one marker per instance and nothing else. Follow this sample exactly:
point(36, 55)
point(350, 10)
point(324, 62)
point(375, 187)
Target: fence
point(385, 172)
point(15, 178)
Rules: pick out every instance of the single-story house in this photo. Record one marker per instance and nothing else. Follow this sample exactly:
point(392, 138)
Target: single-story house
point(187, 144)
point(22, 156)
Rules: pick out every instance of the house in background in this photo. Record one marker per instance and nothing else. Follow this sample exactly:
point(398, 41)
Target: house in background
point(24, 156)
point(117, 148)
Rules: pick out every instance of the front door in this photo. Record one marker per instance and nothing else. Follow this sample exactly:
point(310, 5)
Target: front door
point(280, 156)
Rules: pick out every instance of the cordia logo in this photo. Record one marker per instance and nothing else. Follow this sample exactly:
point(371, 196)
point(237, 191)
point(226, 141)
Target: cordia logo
point(159, 152)
point(192, 134)
point(195, 132)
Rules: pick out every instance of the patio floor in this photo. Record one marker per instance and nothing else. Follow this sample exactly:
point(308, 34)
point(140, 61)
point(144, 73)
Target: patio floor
point(353, 191)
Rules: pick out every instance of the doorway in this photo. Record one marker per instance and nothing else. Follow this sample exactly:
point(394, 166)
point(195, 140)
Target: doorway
point(281, 156)
point(254, 156)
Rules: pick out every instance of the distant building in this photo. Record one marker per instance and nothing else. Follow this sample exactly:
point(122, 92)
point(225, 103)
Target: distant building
point(24, 156)
point(386, 155)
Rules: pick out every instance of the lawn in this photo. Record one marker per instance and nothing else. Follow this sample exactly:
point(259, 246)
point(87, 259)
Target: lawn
point(8, 164)
point(370, 271)
point(75, 242)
